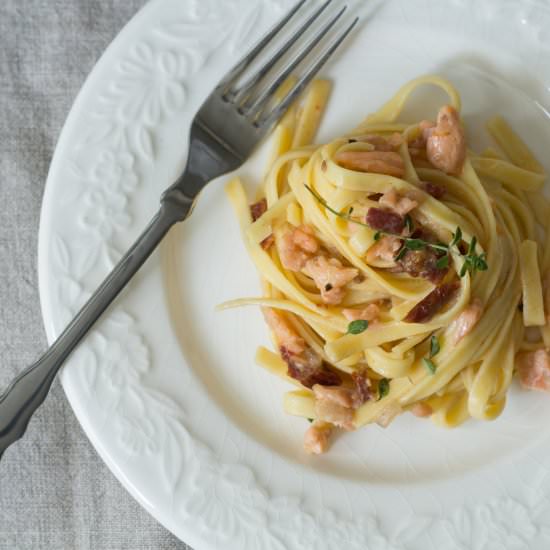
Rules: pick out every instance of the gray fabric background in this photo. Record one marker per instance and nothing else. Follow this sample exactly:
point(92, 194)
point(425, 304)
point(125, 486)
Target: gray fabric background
point(55, 492)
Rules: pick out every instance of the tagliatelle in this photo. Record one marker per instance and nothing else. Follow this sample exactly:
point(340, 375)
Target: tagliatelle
point(395, 266)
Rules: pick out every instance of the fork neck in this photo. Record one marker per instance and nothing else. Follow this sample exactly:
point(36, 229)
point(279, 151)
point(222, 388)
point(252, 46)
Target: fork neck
point(176, 204)
point(209, 157)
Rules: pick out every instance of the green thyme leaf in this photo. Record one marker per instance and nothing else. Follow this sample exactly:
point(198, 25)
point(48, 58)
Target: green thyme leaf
point(377, 235)
point(358, 326)
point(473, 263)
point(415, 244)
point(482, 263)
point(434, 346)
point(400, 255)
point(429, 364)
point(383, 388)
point(457, 237)
point(408, 223)
point(443, 262)
point(310, 420)
point(350, 211)
point(472, 247)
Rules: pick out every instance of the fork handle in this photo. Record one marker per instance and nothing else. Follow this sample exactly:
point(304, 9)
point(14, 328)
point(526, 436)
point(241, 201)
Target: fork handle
point(29, 389)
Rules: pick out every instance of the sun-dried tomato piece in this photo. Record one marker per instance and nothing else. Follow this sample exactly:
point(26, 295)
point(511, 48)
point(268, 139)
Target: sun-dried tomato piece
point(384, 220)
point(362, 388)
point(308, 368)
point(432, 303)
point(423, 263)
point(258, 209)
point(433, 189)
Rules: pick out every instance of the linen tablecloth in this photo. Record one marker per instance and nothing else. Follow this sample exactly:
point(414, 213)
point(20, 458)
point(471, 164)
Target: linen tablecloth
point(55, 492)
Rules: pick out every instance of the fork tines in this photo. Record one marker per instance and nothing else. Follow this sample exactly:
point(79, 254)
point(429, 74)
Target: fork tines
point(254, 96)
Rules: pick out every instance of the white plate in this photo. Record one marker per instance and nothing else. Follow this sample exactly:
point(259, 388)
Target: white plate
point(166, 388)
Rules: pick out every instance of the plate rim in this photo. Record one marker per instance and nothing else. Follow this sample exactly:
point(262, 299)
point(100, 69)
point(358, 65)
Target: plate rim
point(78, 407)
point(42, 250)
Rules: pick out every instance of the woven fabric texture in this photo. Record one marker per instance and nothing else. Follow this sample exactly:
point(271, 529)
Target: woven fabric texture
point(55, 492)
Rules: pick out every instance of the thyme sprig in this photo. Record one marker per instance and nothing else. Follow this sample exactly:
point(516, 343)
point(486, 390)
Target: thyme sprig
point(430, 366)
point(324, 203)
point(358, 326)
point(473, 261)
point(410, 243)
point(383, 388)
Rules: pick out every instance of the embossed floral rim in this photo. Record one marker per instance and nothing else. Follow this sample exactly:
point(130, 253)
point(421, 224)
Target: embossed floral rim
point(220, 505)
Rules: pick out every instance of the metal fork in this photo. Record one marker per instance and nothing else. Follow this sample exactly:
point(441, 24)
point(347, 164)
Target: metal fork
point(224, 132)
